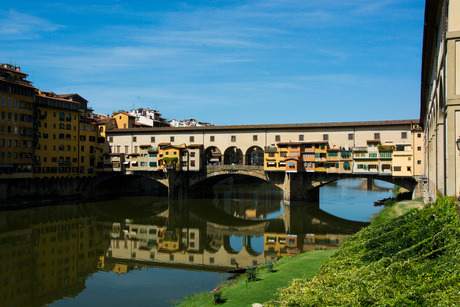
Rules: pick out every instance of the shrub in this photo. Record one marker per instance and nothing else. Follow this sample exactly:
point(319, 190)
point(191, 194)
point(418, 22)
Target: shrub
point(251, 274)
point(217, 296)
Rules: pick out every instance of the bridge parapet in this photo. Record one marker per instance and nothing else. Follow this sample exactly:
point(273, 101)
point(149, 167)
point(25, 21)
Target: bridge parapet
point(230, 168)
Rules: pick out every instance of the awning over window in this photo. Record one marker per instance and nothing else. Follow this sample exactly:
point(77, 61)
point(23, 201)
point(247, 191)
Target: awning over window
point(126, 162)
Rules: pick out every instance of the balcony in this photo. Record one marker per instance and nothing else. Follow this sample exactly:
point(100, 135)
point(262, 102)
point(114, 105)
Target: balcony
point(270, 149)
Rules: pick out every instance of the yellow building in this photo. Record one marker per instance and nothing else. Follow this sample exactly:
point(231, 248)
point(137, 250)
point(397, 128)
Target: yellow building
point(16, 123)
point(169, 156)
point(90, 152)
point(402, 160)
point(320, 156)
point(56, 153)
point(418, 152)
point(124, 120)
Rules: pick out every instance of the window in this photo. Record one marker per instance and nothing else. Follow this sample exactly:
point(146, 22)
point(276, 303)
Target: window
point(291, 164)
point(419, 135)
point(233, 138)
point(397, 168)
point(211, 138)
point(419, 162)
point(171, 139)
point(192, 139)
point(350, 136)
point(61, 116)
point(277, 138)
point(325, 137)
point(404, 135)
point(152, 139)
point(300, 137)
point(254, 138)
point(134, 139)
point(376, 136)
point(419, 148)
point(110, 138)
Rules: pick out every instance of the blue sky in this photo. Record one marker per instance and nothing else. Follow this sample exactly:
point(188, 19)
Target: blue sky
point(225, 62)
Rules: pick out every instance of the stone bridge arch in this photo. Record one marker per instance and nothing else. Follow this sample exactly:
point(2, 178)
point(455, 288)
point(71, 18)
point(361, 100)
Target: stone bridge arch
point(305, 186)
point(139, 183)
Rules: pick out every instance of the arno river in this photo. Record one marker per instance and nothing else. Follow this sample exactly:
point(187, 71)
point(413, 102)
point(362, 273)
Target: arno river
point(148, 251)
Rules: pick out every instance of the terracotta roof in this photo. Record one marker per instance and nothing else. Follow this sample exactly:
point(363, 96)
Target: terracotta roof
point(194, 145)
point(124, 113)
point(103, 120)
point(57, 98)
point(141, 124)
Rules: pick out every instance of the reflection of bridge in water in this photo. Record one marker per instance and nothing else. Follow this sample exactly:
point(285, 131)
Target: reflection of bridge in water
point(201, 236)
point(119, 234)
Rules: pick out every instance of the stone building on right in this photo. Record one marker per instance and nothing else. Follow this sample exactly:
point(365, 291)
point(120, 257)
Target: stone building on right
point(440, 96)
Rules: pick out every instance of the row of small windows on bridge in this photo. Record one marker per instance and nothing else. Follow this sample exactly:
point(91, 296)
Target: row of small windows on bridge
point(277, 137)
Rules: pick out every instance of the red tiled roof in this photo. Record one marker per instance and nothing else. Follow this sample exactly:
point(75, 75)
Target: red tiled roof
point(124, 113)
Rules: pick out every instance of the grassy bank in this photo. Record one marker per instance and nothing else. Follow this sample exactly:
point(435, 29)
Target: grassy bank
point(411, 260)
point(243, 293)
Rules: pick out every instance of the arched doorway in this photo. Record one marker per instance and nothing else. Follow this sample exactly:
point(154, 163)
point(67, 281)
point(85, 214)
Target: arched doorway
point(233, 156)
point(255, 156)
point(212, 156)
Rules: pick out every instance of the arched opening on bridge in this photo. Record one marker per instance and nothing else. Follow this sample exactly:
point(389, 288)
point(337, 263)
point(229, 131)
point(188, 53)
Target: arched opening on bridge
point(212, 156)
point(233, 156)
point(255, 156)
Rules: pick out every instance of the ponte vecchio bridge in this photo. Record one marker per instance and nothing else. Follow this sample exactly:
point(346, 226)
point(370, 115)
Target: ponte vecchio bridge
point(298, 158)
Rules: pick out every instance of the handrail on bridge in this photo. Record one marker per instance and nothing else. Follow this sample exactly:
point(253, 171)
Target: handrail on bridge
point(233, 167)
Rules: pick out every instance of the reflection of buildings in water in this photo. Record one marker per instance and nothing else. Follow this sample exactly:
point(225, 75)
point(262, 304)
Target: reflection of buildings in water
point(48, 260)
point(193, 248)
point(16, 265)
point(278, 245)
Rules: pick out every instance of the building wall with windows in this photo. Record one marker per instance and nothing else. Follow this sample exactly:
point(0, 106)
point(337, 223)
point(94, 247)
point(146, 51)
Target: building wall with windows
point(16, 123)
point(57, 149)
point(89, 151)
point(440, 95)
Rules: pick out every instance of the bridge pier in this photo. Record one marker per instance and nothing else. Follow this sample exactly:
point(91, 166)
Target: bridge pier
point(299, 187)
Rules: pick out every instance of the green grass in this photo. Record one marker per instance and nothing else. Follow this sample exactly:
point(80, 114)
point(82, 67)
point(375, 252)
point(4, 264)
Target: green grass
point(243, 293)
point(397, 209)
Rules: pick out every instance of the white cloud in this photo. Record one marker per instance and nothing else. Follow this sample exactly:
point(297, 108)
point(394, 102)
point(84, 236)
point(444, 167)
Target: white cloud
point(19, 26)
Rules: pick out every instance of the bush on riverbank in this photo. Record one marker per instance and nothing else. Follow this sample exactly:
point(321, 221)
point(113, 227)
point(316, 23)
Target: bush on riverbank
point(413, 259)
